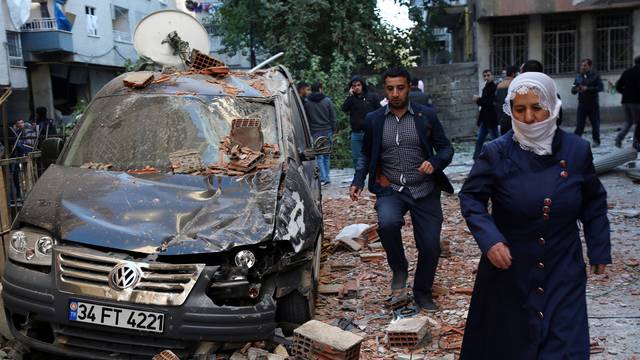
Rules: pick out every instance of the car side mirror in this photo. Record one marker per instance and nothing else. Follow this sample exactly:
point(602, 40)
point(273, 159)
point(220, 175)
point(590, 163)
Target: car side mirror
point(321, 146)
point(51, 149)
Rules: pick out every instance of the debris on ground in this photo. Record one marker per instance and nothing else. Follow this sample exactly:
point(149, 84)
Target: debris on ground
point(186, 161)
point(146, 170)
point(317, 340)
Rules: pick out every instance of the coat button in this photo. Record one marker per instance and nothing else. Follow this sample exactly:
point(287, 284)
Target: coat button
point(540, 290)
point(563, 164)
point(540, 265)
point(546, 209)
point(540, 315)
point(564, 174)
point(545, 216)
point(541, 241)
point(547, 202)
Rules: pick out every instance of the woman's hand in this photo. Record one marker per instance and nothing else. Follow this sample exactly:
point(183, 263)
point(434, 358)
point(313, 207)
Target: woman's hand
point(598, 269)
point(500, 256)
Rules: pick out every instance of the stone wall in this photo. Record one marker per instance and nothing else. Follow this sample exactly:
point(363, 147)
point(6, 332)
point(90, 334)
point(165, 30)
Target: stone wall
point(452, 86)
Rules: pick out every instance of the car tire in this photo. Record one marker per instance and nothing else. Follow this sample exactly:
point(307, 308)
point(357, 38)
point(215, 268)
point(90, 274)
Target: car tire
point(295, 309)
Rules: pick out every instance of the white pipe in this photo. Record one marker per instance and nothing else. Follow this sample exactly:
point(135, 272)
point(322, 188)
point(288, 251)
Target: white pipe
point(262, 64)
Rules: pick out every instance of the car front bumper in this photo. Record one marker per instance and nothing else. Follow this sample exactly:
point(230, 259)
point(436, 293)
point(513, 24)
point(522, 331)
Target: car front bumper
point(38, 317)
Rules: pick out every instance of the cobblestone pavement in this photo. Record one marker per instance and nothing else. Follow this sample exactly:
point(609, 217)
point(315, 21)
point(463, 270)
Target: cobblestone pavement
point(613, 299)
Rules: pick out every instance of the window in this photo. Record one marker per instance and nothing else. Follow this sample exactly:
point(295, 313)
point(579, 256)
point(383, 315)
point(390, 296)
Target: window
point(509, 43)
point(120, 22)
point(14, 47)
point(613, 42)
point(92, 20)
point(560, 45)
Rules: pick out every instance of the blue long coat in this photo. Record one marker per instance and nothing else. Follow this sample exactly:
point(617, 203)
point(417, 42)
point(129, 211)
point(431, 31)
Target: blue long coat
point(537, 308)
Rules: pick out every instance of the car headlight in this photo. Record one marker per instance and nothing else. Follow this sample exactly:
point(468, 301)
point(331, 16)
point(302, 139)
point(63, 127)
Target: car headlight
point(19, 241)
point(245, 259)
point(31, 246)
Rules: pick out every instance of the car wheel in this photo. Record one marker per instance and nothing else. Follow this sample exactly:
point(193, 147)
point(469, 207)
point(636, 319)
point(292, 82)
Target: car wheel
point(295, 309)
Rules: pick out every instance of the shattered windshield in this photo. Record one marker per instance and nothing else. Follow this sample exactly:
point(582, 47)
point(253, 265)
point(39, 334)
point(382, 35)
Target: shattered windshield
point(142, 131)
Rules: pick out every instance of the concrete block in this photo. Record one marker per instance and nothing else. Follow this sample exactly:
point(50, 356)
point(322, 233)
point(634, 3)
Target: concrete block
point(407, 332)
point(317, 340)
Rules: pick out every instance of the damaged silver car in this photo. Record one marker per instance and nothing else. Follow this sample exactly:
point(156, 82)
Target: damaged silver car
point(181, 213)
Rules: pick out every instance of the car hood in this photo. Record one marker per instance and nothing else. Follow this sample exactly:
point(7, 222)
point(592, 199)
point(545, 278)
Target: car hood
point(154, 214)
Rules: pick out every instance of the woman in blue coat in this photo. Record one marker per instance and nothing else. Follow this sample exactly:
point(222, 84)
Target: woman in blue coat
point(529, 297)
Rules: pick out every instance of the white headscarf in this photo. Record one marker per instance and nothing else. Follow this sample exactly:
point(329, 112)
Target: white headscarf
point(536, 137)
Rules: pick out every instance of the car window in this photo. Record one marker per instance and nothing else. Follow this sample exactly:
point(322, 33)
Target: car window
point(131, 132)
point(300, 128)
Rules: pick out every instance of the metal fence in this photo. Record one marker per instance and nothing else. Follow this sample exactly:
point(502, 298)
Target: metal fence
point(19, 175)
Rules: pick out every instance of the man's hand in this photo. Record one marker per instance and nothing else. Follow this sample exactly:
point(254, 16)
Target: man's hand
point(354, 193)
point(598, 269)
point(500, 256)
point(426, 168)
point(582, 88)
point(350, 91)
point(475, 98)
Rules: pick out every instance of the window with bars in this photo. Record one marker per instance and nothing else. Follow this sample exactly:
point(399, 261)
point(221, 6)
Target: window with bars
point(508, 43)
point(560, 45)
point(613, 42)
point(14, 47)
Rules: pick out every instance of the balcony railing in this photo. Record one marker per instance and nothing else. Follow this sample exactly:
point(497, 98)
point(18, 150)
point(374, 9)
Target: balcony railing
point(121, 36)
point(41, 24)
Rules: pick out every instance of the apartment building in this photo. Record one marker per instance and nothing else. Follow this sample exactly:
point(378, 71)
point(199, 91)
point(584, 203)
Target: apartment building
point(67, 50)
point(560, 33)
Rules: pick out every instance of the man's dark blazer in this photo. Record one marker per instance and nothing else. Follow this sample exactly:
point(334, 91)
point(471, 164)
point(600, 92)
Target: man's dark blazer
point(435, 145)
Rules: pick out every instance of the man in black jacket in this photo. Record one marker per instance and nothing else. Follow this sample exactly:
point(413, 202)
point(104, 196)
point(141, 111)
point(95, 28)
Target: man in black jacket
point(487, 119)
point(587, 85)
point(416, 96)
point(404, 152)
point(629, 86)
point(358, 104)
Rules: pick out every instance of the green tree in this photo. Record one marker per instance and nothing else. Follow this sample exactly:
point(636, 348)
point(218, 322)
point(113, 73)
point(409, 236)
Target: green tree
point(323, 40)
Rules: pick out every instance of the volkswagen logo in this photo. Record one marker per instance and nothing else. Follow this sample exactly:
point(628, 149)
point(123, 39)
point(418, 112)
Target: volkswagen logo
point(124, 276)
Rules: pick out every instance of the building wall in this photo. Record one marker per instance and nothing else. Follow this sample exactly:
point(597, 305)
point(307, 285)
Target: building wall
point(452, 87)
point(103, 49)
point(611, 111)
point(492, 8)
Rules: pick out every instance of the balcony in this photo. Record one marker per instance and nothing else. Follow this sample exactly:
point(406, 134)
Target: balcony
point(42, 35)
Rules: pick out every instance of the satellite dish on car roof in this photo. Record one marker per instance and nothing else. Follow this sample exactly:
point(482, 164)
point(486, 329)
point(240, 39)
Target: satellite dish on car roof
point(154, 28)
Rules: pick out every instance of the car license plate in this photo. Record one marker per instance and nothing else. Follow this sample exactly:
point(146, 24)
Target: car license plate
point(115, 316)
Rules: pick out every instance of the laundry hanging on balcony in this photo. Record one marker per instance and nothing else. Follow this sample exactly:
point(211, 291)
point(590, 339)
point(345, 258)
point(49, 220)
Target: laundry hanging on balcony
point(19, 10)
point(61, 19)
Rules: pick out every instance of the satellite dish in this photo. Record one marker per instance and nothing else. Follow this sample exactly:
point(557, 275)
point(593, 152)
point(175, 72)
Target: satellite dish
point(154, 28)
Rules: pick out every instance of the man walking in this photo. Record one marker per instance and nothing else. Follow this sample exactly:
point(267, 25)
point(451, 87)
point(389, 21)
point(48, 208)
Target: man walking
point(358, 104)
point(487, 119)
point(587, 85)
point(404, 152)
point(417, 96)
point(629, 86)
point(322, 121)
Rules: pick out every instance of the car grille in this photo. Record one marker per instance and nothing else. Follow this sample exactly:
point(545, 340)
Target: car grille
point(84, 271)
point(110, 345)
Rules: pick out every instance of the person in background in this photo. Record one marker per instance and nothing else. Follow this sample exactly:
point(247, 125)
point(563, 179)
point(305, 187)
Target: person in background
point(587, 85)
point(45, 127)
point(303, 90)
point(417, 96)
point(321, 114)
point(487, 119)
point(629, 86)
point(358, 104)
point(504, 120)
point(529, 298)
